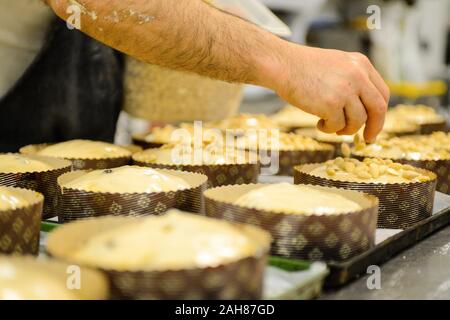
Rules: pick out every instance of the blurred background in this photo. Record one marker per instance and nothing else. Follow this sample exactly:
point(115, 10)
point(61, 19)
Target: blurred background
point(407, 40)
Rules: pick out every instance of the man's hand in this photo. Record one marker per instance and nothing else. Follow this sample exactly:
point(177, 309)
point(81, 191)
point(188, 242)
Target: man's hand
point(343, 89)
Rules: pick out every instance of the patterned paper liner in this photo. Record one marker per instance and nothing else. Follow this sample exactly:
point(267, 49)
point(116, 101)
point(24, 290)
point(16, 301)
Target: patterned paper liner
point(429, 128)
point(20, 228)
point(401, 204)
point(78, 204)
point(242, 279)
point(440, 167)
point(289, 159)
point(218, 175)
point(302, 236)
point(40, 181)
point(139, 139)
point(81, 163)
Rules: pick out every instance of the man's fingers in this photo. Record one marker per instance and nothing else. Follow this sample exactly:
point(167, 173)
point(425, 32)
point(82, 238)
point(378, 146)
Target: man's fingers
point(334, 123)
point(355, 115)
point(376, 108)
point(374, 76)
point(379, 83)
point(375, 97)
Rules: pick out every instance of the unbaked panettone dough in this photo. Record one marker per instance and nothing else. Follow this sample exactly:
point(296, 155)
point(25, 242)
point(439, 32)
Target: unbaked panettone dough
point(297, 199)
point(127, 179)
point(84, 149)
point(293, 117)
point(25, 278)
point(170, 242)
point(11, 163)
point(10, 199)
point(186, 155)
point(244, 121)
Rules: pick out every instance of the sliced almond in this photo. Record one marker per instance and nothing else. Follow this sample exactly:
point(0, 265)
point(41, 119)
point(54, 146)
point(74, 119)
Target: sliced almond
point(423, 178)
point(349, 167)
point(339, 161)
point(378, 160)
point(410, 174)
point(408, 167)
point(363, 174)
point(331, 172)
point(392, 171)
point(359, 143)
point(362, 167)
point(396, 166)
point(346, 151)
point(374, 170)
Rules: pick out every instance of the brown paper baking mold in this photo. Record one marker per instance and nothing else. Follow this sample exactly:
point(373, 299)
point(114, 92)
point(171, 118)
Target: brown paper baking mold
point(289, 159)
point(429, 128)
point(242, 279)
point(78, 204)
point(40, 181)
point(218, 175)
point(401, 205)
point(302, 236)
point(139, 140)
point(440, 167)
point(20, 228)
point(82, 164)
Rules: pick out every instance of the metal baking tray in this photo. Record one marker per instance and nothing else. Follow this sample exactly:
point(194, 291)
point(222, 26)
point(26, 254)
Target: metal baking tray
point(388, 243)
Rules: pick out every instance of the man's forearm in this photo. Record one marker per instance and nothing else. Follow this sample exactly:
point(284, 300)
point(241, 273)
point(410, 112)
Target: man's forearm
point(188, 35)
point(341, 88)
